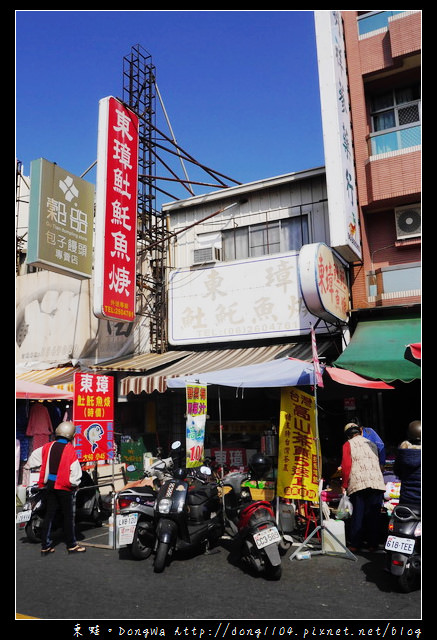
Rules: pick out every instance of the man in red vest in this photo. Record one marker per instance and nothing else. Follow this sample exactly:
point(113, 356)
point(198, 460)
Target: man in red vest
point(60, 474)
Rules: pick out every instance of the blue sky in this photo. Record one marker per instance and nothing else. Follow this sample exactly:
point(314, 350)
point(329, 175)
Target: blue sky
point(240, 87)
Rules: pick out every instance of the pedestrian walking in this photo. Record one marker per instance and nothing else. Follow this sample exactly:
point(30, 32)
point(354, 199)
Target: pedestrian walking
point(60, 474)
point(363, 481)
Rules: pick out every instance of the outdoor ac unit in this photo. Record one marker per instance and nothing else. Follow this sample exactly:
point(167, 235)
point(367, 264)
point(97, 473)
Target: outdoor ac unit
point(408, 221)
point(206, 254)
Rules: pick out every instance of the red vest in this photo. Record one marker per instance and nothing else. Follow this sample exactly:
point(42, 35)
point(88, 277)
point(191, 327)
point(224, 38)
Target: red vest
point(63, 477)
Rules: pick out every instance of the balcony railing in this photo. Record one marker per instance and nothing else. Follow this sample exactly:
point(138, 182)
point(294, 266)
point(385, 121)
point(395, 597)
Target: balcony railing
point(374, 21)
point(395, 139)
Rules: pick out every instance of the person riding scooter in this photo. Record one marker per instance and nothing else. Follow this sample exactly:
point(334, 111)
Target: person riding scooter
point(60, 474)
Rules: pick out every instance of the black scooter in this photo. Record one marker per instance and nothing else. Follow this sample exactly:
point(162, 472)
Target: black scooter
point(138, 500)
point(90, 507)
point(403, 546)
point(252, 525)
point(188, 515)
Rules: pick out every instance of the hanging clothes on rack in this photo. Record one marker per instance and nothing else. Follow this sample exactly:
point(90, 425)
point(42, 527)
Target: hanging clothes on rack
point(39, 426)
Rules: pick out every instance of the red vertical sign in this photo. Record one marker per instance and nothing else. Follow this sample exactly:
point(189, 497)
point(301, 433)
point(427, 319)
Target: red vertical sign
point(93, 416)
point(116, 212)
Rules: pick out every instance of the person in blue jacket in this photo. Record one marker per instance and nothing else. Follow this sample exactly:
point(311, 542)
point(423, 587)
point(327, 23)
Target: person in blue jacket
point(371, 435)
point(407, 465)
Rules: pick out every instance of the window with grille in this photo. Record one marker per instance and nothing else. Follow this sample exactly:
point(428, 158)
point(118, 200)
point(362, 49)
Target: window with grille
point(395, 118)
point(266, 238)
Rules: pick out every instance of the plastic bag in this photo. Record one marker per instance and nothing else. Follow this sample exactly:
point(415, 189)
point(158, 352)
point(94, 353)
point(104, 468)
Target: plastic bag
point(345, 508)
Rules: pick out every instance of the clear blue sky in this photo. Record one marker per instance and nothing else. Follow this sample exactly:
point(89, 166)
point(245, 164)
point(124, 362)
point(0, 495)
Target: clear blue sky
point(240, 87)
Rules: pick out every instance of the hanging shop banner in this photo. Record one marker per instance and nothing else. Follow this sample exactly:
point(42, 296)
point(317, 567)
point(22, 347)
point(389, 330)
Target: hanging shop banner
point(93, 416)
point(195, 424)
point(297, 458)
point(116, 212)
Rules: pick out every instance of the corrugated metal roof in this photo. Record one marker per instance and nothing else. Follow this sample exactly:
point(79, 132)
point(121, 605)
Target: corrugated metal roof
point(202, 361)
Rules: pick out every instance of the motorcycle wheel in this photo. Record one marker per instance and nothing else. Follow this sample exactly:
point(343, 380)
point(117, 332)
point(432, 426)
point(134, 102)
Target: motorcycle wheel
point(273, 573)
point(33, 529)
point(161, 557)
point(140, 550)
point(408, 581)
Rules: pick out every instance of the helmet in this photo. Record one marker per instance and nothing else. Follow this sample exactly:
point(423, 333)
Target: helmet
point(259, 465)
point(65, 430)
point(414, 433)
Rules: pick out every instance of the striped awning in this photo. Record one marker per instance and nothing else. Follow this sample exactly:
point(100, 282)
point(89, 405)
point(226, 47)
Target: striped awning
point(142, 362)
point(203, 361)
point(59, 377)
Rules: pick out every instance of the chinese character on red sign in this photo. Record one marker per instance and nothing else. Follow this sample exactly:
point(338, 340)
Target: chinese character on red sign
point(93, 416)
point(116, 212)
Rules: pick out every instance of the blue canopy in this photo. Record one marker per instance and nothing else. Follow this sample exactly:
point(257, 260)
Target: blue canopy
point(283, 372)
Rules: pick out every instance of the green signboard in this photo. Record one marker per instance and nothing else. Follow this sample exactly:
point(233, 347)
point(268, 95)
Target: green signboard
point(60, 220)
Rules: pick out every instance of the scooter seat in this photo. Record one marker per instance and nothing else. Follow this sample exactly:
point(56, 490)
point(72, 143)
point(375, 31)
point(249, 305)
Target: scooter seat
point(198, 496)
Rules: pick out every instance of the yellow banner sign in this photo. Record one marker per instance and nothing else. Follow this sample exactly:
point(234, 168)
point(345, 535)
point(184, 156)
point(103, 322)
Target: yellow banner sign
point(297, 456)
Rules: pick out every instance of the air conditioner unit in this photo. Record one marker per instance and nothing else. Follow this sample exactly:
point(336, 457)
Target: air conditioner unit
point(408, 221)
point(206, 254)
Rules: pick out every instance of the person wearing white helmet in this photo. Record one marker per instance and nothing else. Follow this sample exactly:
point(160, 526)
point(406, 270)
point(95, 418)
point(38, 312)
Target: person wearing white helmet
point(60, 473)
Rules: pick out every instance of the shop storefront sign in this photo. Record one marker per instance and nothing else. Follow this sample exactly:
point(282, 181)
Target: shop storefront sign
point(60, 237)
point(323, 282)
point(230, 457)
point(297, 456)
point(116, 212)
point(195, 423)
point(93, 416)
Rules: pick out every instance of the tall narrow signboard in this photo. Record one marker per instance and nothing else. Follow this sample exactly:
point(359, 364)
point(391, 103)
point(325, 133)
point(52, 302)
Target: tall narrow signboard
point(116, 212)
point(337, 135)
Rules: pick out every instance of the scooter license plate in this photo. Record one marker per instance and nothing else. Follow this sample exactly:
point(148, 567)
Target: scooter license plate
point(23, 516)
point(266, 537)
point(401, 545)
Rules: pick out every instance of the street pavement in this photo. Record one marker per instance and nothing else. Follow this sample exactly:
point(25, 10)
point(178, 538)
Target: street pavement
point(107, 584)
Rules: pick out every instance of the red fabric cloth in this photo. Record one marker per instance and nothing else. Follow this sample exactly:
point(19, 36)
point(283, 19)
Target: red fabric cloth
point(39, 421)
point(346, 465)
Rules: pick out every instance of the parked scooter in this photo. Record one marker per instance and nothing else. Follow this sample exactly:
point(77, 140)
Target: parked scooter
point(188, 514)
point(90, 507)
point(138, 499)
point(403, 545)
point(252, 523)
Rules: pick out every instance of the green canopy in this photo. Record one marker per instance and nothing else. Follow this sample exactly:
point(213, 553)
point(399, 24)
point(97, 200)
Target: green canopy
point(377, 349)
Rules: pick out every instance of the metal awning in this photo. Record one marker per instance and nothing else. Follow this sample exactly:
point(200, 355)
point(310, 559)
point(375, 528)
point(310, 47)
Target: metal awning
point(203, 361)
point(59, 377)
point(377, 349)
point(142, 362)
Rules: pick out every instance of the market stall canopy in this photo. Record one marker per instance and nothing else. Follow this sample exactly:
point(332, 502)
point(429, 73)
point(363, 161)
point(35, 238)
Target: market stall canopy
point(377, 348)
point(413, 353)
point(343, 376)
point(25, 389)
point(282, 372)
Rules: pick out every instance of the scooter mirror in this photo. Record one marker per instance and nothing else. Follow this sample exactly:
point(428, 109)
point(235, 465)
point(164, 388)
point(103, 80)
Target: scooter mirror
point(131, 467)
point(175, 445)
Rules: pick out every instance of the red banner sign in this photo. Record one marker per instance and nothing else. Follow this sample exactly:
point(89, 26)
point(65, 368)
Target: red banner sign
point(116, 212)
point(93, 416)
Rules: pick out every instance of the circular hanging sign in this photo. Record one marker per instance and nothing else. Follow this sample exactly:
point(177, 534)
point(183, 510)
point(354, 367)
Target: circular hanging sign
point(323, 282)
